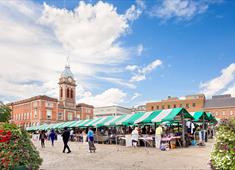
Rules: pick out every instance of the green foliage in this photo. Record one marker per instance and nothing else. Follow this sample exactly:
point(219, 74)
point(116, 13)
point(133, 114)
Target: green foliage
point(223, 154)
point(19, 151)
point(5, 113)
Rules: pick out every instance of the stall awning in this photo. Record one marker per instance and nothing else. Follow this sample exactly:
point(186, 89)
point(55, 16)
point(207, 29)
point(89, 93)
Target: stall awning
point(102, 123)
point(90, 123)
point(159, 116)
point(131, 120)
point(197, 116)
point(84, 123)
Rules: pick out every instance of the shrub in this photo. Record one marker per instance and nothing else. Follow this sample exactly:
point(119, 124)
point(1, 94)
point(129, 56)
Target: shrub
point(17, 149)
point(223, 153)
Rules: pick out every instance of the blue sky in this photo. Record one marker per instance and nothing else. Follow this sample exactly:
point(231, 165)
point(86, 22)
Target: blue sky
point(121, 52)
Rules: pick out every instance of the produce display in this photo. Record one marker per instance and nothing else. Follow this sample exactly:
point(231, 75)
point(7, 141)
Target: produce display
point(223, 154)
point(16, 149)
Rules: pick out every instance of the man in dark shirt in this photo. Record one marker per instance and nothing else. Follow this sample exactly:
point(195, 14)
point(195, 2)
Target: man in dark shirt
point(66, 135)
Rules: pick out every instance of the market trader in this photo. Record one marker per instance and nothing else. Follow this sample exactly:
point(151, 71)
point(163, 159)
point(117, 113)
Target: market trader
point(158, 136)
point(66, 135)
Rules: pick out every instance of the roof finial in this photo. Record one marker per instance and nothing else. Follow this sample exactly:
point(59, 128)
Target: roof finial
point(67, 64)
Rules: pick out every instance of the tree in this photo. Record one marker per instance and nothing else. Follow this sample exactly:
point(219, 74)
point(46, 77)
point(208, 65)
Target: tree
point(5, 113)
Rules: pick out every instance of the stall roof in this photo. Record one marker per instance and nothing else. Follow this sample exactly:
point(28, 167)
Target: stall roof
point(199, 115)
point(159, 116)
point(131, 120)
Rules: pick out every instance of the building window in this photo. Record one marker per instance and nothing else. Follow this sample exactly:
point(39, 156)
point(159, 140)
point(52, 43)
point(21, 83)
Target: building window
point(70, 116)
point(67, 92)
point(61, 92)
point(49, 104)
point(157, 107)
point(169, 106)
point(231, 112)
point(35, 113)
point(152, 108)
point(25, 116)
point(60, 116)
point(49, 114)
point(194, 104)
point(174, 105)
point(187, 105)
point(71, 93)
point(78, 116)
point(35, 104)
point(223, 113)
point(163, 107)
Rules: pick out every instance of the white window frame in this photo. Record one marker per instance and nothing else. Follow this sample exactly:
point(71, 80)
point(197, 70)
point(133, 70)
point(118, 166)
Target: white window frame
point(49, 116)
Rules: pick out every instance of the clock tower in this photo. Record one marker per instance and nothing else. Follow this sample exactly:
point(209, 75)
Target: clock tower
point(67, 88)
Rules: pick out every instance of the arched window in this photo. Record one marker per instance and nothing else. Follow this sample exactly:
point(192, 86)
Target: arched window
point(67, 92)
point(71, 93)
point(61, 92)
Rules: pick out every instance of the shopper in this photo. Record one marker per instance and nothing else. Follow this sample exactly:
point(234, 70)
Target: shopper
point(42, 138)
point(52, 137)
point(158, 136)
point(90, 136)
point(66, 135)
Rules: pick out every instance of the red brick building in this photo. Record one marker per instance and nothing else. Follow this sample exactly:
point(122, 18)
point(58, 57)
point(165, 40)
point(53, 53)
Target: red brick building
point(43, 109)
point(221, 106)
point(192, 103)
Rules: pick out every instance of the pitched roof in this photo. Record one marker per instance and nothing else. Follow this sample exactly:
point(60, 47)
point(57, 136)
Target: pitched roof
point(220, 101)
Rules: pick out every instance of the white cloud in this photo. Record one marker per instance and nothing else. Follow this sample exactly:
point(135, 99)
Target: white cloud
point(181, 9)
point(136, 95)
point(135, 11)
point(141, 72)
point(35, 41)
point(132, 67)
point(140, 49)
point(118, 81)
point(220, 84)
point(112, 96)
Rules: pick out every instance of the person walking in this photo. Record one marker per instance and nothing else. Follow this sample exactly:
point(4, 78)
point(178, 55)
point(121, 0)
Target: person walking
point(158, 136)
point(90, 136)
point(65, 135)
point(52, 136)
point(42, 138)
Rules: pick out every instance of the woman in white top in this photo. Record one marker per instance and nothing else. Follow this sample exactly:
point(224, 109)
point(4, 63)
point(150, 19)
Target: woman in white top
point(135, 137)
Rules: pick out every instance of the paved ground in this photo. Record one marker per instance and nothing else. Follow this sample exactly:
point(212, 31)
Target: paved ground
point(122, 158)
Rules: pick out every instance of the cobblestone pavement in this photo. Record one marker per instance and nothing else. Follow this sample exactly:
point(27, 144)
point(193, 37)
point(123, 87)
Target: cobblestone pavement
point(108, 157)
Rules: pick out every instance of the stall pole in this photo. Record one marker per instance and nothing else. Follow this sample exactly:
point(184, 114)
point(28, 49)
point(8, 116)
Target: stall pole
point(183, 129)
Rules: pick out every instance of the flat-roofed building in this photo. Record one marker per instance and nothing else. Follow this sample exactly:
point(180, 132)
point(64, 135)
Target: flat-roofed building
point(221, 106)
point(191, 102)
point(111, 111)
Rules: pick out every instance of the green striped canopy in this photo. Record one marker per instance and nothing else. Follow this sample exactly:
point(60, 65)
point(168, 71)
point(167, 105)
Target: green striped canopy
point(114, 122)
point(75, 123)
point(93, 122)
point(102, 122)
point(211, 117)
point(82, 124)
point(159, 116)
point(131, 120)
point(197, 116)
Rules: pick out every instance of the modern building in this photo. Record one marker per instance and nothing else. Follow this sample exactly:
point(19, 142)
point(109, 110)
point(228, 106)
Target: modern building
point(111, 111)
point(140, 108)
point(191, 102)
point(43, 109)
point(221, 106)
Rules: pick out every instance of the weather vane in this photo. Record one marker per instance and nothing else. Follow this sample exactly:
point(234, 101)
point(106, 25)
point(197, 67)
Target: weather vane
point(68, 61)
